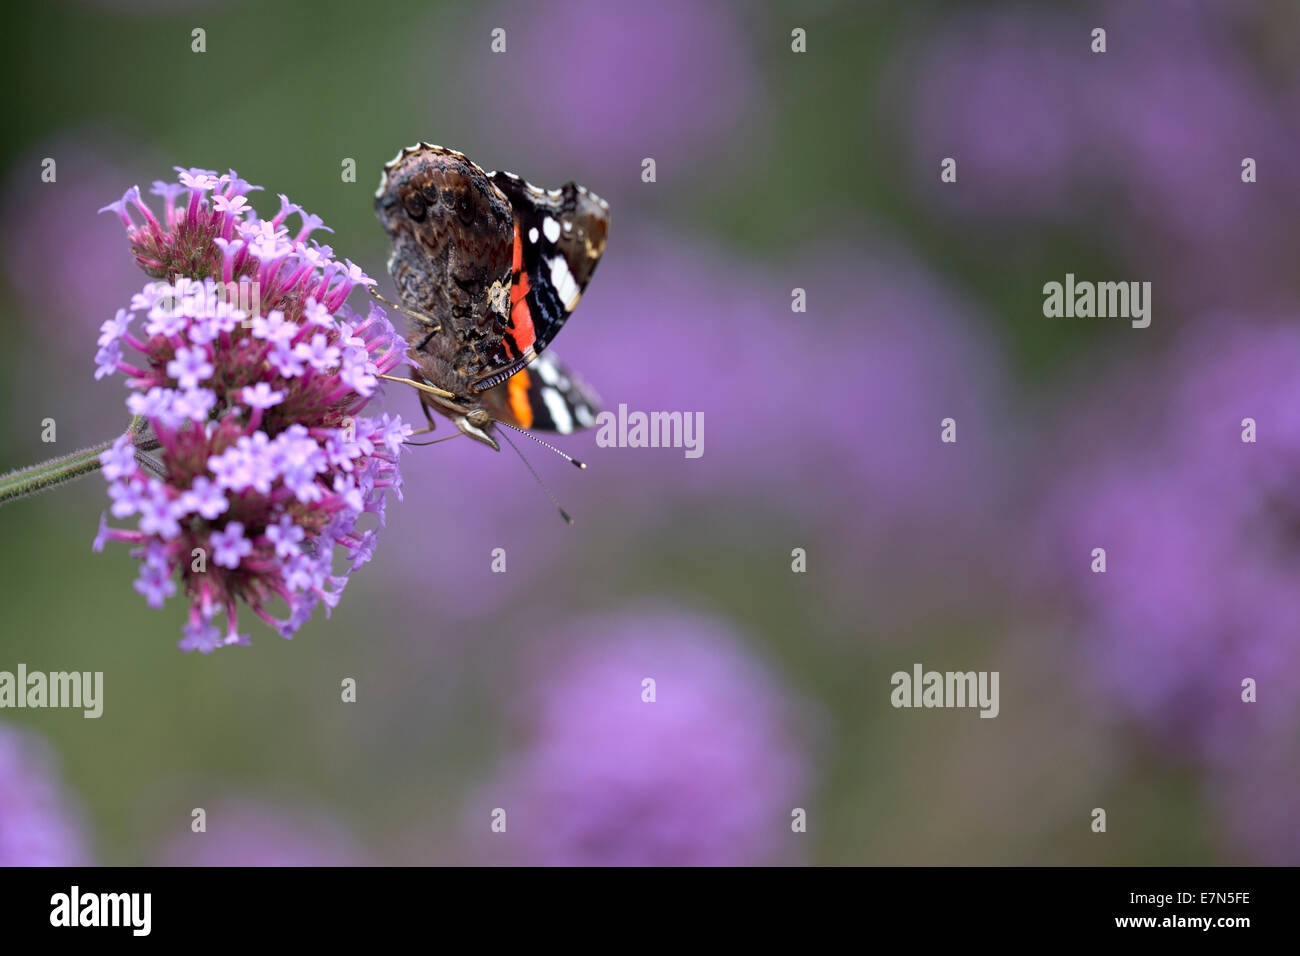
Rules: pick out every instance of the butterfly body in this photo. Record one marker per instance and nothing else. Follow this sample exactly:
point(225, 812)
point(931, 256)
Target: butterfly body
point(490, 267)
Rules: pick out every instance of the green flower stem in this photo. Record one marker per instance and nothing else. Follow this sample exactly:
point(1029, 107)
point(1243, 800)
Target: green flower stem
point(59, 471)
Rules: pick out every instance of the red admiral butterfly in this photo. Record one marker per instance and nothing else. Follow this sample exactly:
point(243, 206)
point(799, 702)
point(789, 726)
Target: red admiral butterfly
point(489, 267)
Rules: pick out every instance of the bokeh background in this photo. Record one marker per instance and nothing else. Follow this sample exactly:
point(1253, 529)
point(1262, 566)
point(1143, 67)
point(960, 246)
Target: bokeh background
point(776, 170)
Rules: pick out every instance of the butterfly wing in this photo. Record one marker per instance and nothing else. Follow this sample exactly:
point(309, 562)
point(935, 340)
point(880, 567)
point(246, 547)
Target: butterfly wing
point(544, 396)
point(559, 239)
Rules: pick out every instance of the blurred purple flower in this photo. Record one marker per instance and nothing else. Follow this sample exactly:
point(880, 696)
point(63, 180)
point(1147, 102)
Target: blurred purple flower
point(252, 373)
point(38, 826)
point(1200, 533)
point(250, 833)
point(605, 83)
point(1176, 111)
point(1000, 91)
point(707, 774)
point(1153, 132)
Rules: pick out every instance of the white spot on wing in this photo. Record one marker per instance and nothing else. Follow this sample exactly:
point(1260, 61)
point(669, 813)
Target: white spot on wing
point(559, 411)
point(545, 369)
point(562, 279)
point(532, 234)
point(584, 416)
point(551, 228)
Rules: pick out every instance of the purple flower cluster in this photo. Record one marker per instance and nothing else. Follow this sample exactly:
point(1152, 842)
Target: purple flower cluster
point(37, 824)
point(1199, 529)
point(709, 773)
point(252, 374)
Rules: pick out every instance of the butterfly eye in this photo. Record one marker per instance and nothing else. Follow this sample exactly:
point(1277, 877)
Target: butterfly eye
point(415, 206)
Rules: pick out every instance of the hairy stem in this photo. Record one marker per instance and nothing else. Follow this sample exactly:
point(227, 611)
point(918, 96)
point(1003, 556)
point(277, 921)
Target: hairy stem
point(34, 479)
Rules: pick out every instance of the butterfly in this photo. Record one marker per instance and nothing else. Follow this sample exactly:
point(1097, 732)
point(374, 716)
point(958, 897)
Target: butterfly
point(488, 268)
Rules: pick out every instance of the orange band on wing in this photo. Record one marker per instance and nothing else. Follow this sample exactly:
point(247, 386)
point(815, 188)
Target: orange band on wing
point(520, 334)
point(517, 392)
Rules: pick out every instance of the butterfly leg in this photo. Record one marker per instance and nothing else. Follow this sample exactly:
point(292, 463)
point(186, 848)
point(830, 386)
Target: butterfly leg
point(428, 416)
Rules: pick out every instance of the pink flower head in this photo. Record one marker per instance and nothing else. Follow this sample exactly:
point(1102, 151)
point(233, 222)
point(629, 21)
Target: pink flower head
point(253, 375)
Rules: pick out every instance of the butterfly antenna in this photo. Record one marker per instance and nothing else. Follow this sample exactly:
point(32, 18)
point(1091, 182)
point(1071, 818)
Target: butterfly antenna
point(569, 458)
point(563, 514)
